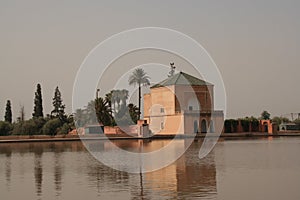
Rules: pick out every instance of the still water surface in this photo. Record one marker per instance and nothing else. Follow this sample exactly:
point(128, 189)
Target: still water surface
point(235, 169)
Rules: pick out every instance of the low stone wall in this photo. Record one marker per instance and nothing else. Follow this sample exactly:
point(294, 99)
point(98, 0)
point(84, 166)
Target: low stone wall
point(41, 137)
point(110, 130)
point(121, 130)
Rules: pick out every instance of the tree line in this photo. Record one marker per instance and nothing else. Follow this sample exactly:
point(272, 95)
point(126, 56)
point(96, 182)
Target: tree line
point(57, 122)
point(231, 125)
point(110, 110)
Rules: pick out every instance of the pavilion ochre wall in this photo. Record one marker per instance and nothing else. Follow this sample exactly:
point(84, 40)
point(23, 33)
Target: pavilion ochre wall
point(174, 124)
point(162, 96)
point(165, 97)
point(147, 105)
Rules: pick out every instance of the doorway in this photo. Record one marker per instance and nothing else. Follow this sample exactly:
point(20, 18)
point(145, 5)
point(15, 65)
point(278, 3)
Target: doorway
point(203, 126)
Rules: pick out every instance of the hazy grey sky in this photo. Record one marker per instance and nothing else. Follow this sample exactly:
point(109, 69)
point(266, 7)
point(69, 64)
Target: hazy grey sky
point(255, 44)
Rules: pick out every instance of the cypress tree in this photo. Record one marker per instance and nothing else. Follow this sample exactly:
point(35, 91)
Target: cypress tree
point(58, 106)
point(8, 113)
point(38, 103)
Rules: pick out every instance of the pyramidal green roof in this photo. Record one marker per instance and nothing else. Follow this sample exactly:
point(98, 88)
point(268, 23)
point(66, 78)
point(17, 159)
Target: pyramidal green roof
point(181, 79)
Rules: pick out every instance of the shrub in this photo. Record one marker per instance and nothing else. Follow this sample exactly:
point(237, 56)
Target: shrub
point(234, 124)
point(24, 128)
point(5, 128)
point(65, 129)
point(29, 127)
point(245, 124)
point(254, 124)
point(52, 127)
point(227, 126)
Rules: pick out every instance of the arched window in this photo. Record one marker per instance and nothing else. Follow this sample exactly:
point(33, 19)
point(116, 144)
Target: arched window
point(211, 126)
point(196, 126)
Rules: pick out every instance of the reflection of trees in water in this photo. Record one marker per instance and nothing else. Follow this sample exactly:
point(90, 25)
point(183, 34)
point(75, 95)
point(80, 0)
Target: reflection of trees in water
point(8, 153)
point(38, 149)
point(101, 176)
point(32, 147)
point(58, 171)
point(4, 149)
point(38, 169)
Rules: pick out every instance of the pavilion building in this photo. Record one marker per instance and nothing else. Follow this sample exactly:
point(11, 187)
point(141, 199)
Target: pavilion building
point(182, 104)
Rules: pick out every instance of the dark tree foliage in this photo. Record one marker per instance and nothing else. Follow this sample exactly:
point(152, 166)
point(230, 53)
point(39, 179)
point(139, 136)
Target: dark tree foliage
point(234, 124)
point(230, 125)
point(52, 127)
point(108, 99)
point(134, 112)
point(64, 129)
point(227, 126)
point(29, 127)
point(68, 126)
point(254, 124)
point(265, 115)
point(103, 111)
point(8, 113)
point(58, 106)
point(38, 103)
point(5, 128)
point(245, 124)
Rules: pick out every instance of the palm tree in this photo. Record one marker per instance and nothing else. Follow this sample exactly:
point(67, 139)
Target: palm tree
point(117, 97)
point(80, 118)
point(108, 98)
point(124, 96)
point(90, 113)
point(103, 111)
point(139, 78)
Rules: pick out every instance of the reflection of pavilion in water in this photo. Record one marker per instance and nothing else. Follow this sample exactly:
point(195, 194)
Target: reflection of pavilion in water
point(188, 174)
point(50, 164)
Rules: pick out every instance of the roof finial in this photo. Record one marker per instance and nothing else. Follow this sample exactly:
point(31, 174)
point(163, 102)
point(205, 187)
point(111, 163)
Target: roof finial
point(171, 73)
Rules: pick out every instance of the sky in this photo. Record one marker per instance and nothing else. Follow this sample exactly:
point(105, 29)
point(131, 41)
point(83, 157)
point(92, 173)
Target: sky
point(255, 45)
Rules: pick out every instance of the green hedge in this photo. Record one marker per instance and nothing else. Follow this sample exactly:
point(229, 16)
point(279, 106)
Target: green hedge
point(5, 128)
point(245, 124)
